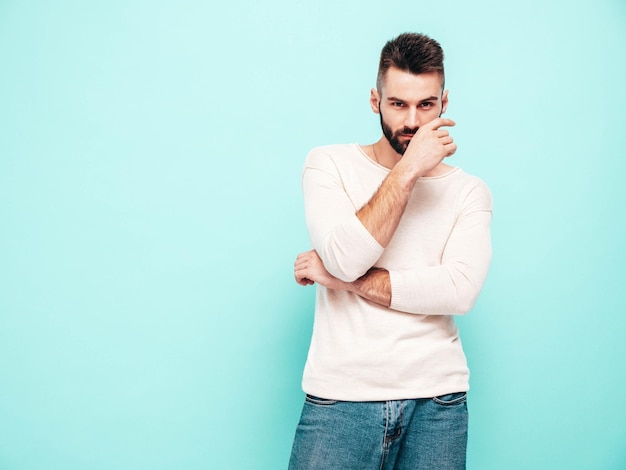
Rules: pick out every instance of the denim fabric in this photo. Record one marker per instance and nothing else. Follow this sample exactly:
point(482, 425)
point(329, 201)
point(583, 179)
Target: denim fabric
point(426, 433)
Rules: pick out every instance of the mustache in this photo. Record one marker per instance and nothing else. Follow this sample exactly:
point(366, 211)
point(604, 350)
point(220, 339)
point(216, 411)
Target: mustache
point(408, 131)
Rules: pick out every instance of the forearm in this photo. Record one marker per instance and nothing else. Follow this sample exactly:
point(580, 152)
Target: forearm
point(374, 286)
point(434, 290)
point(382, 213)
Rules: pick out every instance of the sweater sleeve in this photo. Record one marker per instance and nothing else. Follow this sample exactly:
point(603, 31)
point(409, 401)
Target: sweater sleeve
point(451, 287)
point(345, 246)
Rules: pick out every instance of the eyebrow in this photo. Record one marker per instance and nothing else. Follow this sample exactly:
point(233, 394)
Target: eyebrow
point(431, 98)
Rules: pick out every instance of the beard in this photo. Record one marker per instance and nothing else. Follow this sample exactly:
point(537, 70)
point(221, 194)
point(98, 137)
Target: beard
point(393, 137)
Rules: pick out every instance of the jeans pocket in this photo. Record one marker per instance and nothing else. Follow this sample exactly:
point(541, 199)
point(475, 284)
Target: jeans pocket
point(319, 401)
point(451, 399)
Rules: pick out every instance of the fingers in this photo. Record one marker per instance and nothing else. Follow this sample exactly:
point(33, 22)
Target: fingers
point(436, 123)
point(299, 272)
point(451, 148)
point(300, 268)
point(305, 255)
point(302, 260)
point(300, 276)
point(446, 140)
point(304, 281)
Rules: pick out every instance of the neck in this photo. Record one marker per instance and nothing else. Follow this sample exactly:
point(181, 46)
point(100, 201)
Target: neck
point(385, 154)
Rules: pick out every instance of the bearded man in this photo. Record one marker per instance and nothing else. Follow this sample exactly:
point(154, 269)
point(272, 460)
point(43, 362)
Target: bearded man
point(401, 244)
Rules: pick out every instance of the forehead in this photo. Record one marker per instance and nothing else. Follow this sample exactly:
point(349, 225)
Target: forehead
point(407, 85)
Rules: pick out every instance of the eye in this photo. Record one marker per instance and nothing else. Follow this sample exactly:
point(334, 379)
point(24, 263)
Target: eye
point(426, 105)
point(397, 104)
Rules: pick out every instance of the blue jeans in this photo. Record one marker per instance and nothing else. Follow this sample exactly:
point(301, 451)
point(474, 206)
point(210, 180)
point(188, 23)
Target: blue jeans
point(425, 433)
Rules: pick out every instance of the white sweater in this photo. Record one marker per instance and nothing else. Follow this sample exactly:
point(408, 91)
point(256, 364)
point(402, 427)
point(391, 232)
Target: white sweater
point(437, 259)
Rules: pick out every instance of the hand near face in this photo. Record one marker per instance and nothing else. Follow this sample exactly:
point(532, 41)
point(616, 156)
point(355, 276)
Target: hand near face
point(430, 145)
point(309, 269)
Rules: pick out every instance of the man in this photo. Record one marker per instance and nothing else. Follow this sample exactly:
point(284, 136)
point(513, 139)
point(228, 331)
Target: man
point(401, 244)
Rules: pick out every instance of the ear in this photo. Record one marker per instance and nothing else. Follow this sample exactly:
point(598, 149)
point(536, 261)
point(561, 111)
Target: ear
point(375, 100)
point(444, 101)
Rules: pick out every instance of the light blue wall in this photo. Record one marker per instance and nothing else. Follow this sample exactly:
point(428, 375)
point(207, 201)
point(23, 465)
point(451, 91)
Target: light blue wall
point(150, 212)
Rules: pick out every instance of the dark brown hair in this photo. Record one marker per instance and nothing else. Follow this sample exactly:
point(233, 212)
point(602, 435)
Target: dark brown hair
point(411, 52)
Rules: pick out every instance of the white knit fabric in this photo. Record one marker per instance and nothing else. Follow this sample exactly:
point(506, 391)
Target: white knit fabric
point(438, 260)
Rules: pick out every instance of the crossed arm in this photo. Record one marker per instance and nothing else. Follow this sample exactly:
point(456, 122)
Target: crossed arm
point(375, 285)
point(448, 286)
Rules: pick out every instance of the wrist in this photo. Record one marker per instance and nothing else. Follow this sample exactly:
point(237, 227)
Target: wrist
point(338, 284)
point(406, 174)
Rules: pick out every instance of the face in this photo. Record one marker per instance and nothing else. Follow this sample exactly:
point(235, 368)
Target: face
point(407, 102)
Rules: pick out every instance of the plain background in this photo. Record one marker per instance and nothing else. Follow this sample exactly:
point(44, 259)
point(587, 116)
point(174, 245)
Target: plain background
point(150, 213)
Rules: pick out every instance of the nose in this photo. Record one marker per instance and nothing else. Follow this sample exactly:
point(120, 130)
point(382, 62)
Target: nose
point(410, 119)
